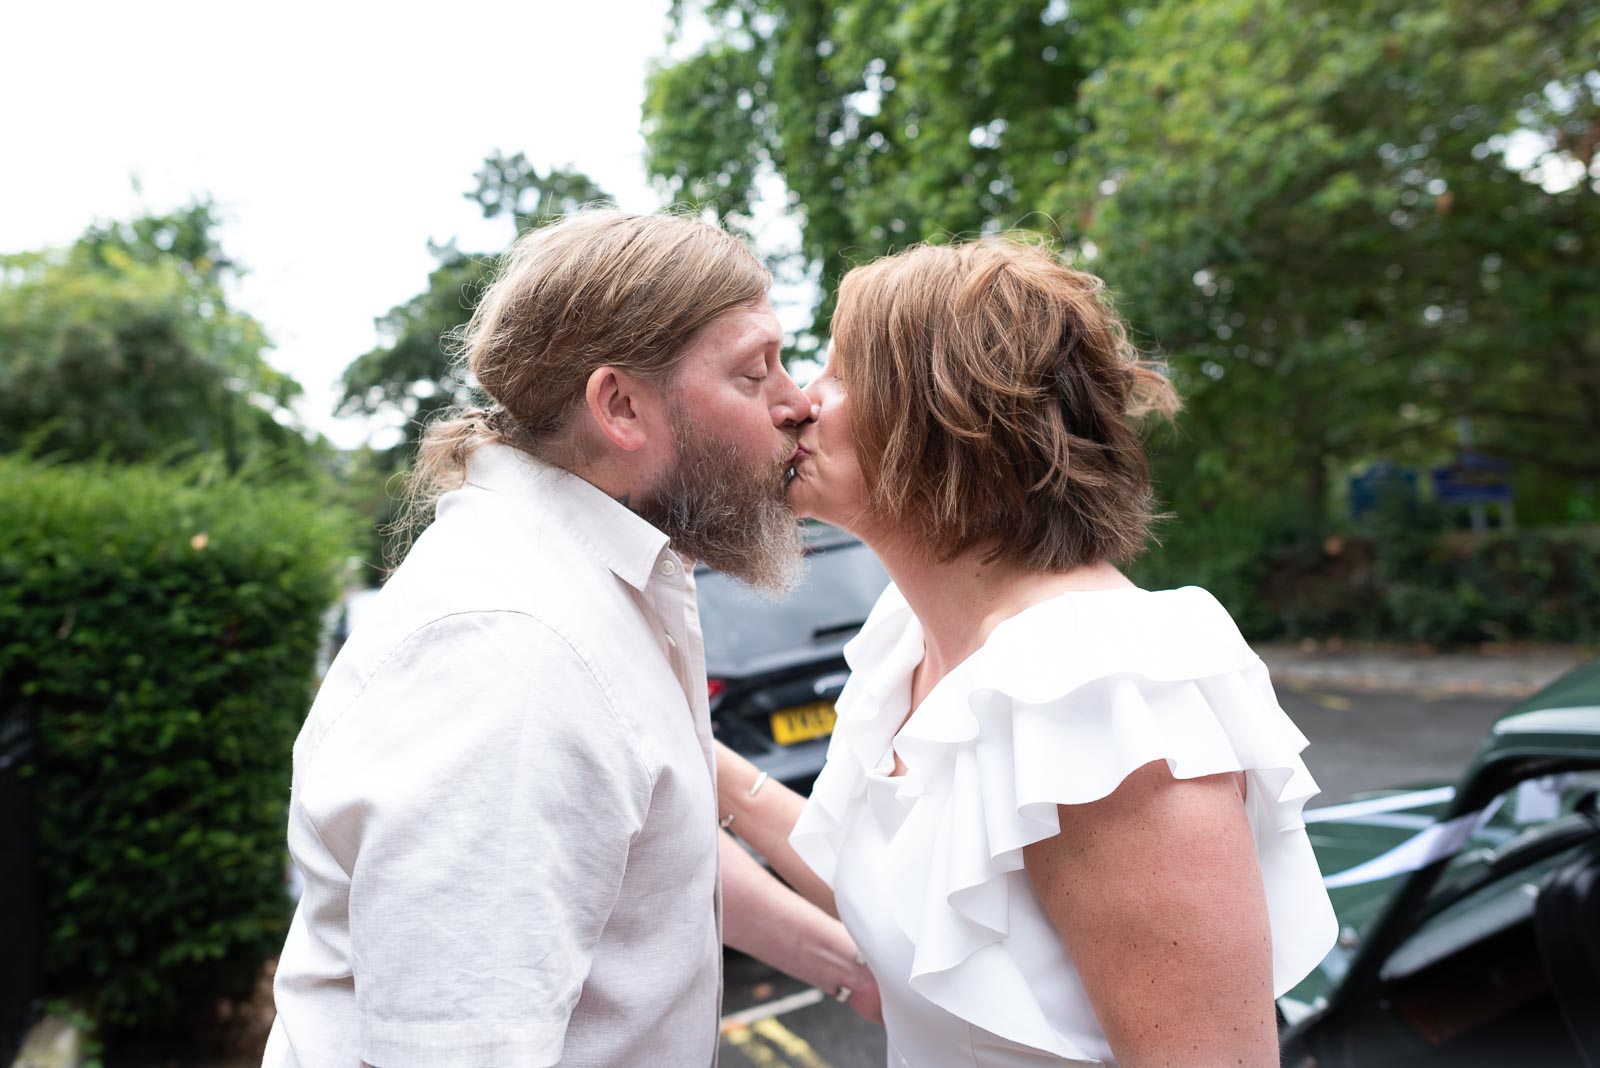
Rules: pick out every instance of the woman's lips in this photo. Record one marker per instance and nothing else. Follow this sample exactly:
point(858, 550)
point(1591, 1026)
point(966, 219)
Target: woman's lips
point(794, 462)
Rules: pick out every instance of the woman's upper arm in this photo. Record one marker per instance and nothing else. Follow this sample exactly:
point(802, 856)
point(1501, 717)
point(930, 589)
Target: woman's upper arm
point(1157, 895)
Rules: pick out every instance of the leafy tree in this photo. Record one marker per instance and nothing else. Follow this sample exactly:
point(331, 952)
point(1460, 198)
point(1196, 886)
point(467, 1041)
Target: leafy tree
point(511, 186)
point(124, 346)
point(1316, 211)
point(887, 123)
point(1313, 209)
point(185, 237)
point(411, 374)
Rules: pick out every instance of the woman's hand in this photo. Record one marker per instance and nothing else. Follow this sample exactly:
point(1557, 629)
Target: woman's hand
point(864, 999)
point(764, 918)
point(1158, 897)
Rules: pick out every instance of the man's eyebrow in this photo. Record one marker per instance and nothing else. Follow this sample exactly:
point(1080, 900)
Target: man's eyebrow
point(761, 342)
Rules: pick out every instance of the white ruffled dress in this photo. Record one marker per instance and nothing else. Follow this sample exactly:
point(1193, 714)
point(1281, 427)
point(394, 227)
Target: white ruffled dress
point(1062, 702)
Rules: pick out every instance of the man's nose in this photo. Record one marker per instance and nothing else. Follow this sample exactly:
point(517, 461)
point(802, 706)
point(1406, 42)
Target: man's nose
point(792, 407)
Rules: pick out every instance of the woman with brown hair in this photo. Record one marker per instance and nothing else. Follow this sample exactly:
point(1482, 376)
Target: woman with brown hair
point(1061, 815)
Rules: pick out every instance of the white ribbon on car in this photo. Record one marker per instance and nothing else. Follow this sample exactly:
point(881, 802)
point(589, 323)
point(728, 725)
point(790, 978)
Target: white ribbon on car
point(1354, 810)
point(1434, 844)
point(1536, 801)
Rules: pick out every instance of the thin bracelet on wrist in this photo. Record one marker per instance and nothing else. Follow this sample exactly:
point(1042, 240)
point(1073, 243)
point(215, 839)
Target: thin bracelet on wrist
point(761, 780)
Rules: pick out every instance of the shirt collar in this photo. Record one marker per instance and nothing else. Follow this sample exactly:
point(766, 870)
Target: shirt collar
point(619, 538)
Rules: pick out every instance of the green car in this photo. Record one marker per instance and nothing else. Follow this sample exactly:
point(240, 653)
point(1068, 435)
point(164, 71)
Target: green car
point(1469, 914)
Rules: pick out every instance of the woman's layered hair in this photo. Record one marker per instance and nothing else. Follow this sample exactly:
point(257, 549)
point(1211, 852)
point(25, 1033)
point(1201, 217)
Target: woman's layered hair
point(996, 404)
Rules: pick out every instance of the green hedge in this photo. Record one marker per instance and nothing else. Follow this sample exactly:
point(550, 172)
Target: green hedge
point(1230, 554)
point(1403, 577)
point(162, 632)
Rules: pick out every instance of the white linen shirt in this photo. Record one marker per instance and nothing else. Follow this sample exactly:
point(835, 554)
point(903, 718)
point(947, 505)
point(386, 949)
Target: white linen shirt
point(503, 806)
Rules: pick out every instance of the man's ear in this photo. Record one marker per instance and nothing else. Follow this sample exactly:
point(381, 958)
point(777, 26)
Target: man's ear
point(617, 402)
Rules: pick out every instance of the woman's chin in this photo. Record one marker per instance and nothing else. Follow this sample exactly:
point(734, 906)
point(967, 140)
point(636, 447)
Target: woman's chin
point(803, 499)
point(798, 504)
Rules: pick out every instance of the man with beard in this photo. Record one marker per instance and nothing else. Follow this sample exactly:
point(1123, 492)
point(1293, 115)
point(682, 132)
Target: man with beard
point(503, 807)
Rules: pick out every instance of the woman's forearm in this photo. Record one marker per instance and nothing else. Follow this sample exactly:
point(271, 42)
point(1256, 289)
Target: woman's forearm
point(765, 820)
point(767, 920)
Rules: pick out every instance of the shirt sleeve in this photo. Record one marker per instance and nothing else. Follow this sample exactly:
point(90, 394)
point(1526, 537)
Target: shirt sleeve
point(494, 794)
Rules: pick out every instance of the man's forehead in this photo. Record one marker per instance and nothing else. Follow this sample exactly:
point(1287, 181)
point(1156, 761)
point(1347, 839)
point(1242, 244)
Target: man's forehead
point(748, 327)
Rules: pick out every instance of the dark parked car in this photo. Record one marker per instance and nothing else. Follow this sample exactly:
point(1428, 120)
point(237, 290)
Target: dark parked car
point(775, 667)
point(1470, 913)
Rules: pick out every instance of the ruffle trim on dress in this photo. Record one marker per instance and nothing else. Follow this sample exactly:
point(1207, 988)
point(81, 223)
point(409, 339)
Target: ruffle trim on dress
point(1062, 703)
point(881, 656)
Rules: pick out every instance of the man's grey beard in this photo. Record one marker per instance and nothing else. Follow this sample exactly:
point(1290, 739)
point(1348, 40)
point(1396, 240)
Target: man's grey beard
point(728, 512)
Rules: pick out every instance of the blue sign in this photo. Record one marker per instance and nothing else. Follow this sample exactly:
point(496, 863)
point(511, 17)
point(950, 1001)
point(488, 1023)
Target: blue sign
point(1383, 481)
point(1473, 479)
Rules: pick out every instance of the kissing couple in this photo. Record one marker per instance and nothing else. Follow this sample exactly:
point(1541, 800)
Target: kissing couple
point(1060, 818)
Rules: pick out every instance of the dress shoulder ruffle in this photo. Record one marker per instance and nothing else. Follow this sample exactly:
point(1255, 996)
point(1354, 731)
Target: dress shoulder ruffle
point(1062, 703)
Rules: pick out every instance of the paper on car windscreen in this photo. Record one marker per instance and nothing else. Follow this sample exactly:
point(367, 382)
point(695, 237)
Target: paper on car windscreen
point(1539, 800)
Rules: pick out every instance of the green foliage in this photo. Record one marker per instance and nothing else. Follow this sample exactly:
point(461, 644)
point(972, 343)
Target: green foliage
point(1347, 226)
point(1400, 576)
point(887, 123)
point(1231, 554)
point(1459, 588)
point(123, 347)
point(1313, 210)
point(511, 186)
point(185, 237)
point(161, 628)
point(412, 374)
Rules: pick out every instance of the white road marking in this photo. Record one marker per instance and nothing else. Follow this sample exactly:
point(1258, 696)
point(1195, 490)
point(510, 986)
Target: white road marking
point(792, 1003)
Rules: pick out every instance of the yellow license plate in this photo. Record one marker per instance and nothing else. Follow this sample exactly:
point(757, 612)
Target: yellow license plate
point(803, 723)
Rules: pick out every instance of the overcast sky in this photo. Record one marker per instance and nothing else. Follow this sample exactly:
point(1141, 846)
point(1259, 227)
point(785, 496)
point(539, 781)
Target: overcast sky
point(337, 138)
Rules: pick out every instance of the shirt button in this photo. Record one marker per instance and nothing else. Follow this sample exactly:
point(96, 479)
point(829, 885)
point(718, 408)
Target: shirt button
point(667, 567)
point(670, 643)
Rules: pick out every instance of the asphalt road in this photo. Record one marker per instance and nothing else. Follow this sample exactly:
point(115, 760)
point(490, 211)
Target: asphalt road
point(1359, 742)
point(1367, 741)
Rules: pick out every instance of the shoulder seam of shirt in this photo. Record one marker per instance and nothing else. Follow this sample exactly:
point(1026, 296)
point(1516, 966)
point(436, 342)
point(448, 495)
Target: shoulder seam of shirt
point(588, 665)
point(603, 684)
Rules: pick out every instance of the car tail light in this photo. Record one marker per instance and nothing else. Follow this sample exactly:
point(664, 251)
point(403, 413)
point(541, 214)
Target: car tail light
point(714, 688)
